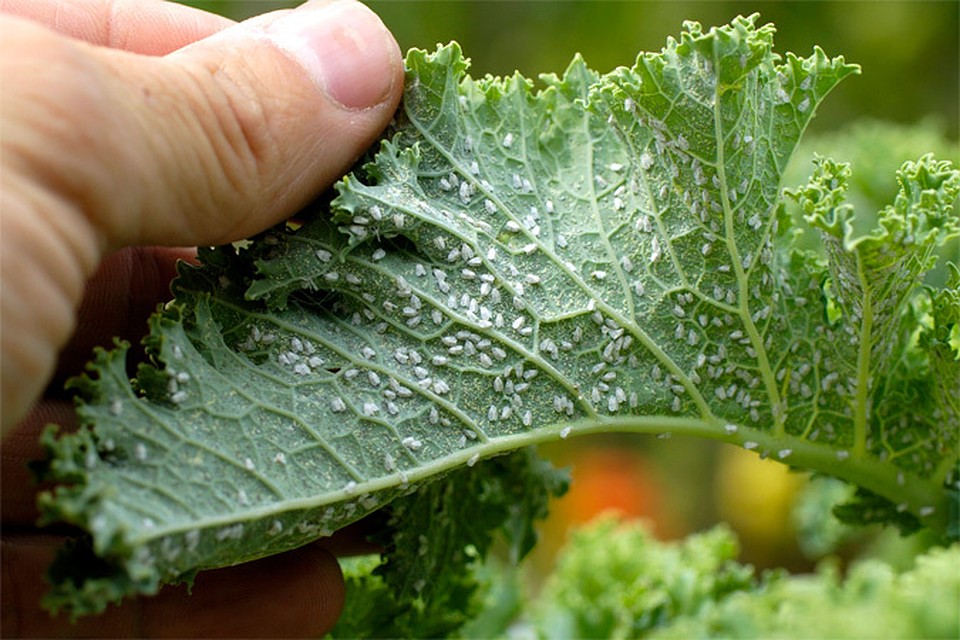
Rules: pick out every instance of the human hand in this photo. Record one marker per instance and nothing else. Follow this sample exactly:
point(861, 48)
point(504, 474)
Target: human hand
point(140, 123)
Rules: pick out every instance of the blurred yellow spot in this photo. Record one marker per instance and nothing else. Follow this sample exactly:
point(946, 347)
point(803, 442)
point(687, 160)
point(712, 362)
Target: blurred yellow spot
point(756, 497)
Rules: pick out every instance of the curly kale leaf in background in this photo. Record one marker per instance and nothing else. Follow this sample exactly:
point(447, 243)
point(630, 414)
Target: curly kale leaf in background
point(615, 580)
point(430, 581)
point(516, 265)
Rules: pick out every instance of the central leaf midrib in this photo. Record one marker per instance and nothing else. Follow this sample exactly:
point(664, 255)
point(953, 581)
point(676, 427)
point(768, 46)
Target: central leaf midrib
point(743, 286)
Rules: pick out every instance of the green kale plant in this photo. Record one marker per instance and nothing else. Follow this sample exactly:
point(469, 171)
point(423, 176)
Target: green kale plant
point(614, 580)
point(514, 265)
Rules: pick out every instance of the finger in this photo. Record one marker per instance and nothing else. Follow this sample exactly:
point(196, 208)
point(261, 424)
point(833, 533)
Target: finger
point(295, 594)
point(211, 143)
point(148, 27)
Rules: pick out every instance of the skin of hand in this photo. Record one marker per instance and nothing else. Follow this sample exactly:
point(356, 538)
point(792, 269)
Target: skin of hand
point(129, 128)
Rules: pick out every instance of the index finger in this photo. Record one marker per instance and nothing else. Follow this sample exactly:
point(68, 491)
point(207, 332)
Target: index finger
point(148, 27)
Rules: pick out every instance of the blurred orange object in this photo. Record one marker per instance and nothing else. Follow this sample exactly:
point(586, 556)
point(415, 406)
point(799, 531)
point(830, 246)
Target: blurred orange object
point(605, 479)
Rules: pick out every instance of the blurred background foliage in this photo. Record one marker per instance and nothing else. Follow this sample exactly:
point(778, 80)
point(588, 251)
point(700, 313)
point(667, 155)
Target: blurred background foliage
point(905, 104)
point(909, 51)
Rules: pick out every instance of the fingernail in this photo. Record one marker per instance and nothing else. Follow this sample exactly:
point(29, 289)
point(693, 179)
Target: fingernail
point(344, 47)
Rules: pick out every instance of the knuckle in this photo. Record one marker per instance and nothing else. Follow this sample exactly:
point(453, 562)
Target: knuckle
point(236, 119)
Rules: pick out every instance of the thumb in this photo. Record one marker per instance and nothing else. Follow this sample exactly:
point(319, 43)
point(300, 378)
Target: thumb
point(213, 142)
